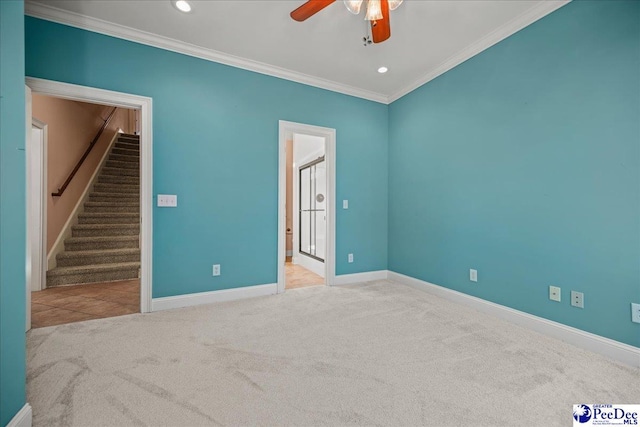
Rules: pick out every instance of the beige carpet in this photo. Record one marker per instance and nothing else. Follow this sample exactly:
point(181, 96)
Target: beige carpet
point(370, 354)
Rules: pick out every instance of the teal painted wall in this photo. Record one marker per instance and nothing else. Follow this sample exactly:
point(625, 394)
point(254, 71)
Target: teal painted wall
point(524, 163)
point(215, 135)
point(12, 211)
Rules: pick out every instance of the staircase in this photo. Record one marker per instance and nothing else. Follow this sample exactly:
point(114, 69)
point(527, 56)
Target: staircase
point(104, 245)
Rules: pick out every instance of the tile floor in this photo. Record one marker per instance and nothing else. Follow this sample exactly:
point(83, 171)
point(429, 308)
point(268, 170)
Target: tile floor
point(297, 276)
point(68, 304)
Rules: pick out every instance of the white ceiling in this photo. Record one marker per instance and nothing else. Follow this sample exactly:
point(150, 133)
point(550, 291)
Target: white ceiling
point(306, 145)
point(427, 37)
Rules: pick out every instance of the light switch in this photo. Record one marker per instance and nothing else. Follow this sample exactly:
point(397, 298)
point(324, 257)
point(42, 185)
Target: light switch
point(167, 200)
point(345, 204)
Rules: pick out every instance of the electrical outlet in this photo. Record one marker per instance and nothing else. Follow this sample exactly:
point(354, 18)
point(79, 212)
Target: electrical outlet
point(554, 293)
point(350, 257)
point(473, 275)
point(635, 312)
point(577, 299)
point(216, 269)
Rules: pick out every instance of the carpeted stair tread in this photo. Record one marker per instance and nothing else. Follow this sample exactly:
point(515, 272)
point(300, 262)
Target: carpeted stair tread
point(108, 175)
point(122, 165)
point(120, 171)
point(129, 138)
point(128, 141)
point(104, 226)
point(98, 256)
point(112, 187)
point(128, 146)
point(125, 152)
point(102, 239)
point(101, 242)
point(98, 198)
point(96, 230)
point(59, 271)
point(92, 273)
point(105, 207)
point(116, 196)
point(108, 218)
point(122, 158)
point(114, 203)
point(121, 145)
point(92, 252)
point(112, 179)
point(134, 139)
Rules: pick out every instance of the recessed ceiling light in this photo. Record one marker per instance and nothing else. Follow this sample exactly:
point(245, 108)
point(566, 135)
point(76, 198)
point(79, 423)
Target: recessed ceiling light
point(383, 70)
point(182, 6)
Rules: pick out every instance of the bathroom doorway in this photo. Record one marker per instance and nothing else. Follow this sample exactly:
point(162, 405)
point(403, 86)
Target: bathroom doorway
point(306, 182)
point(306, 212)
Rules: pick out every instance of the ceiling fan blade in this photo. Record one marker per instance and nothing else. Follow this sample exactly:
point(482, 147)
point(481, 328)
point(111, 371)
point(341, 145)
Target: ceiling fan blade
point(309, 9)
point(381, 29)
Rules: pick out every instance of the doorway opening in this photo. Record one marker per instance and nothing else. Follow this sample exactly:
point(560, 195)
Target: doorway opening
point(306, 211)
point(89, 221)
point(306, 239)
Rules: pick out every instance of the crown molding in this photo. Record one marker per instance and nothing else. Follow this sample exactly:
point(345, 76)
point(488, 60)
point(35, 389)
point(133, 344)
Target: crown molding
point(50, 13)
point(540, 10)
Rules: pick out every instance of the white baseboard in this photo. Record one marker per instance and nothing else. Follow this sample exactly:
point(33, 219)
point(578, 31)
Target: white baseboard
point(367, 276)
point(615, 350)
point(189, 300)
point(65, 233)
point(23, 418)
point(311, 264)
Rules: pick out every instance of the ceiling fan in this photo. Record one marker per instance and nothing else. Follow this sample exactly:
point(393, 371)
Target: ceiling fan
point(377, 14)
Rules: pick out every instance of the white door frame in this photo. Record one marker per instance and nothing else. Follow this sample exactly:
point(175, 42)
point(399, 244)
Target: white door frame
point(28, 214)
point(124, 100)
point(287, 129)
point(37, 204)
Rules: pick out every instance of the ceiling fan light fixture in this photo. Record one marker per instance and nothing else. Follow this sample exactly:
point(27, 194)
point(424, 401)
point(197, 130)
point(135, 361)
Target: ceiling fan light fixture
point(393, 4)
point(182, 6)
point(353, 6)
point(374, 10)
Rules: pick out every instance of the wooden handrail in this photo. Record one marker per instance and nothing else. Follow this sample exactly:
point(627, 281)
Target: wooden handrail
point(84, 156)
